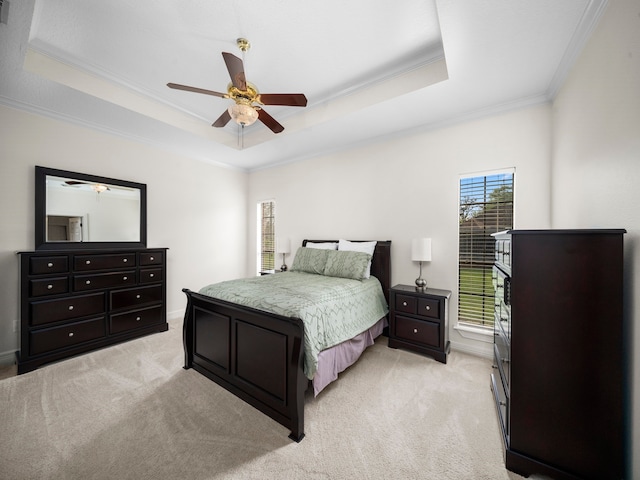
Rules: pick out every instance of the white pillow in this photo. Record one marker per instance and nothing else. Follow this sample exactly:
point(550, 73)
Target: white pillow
point(323, 245)
point(366, 247)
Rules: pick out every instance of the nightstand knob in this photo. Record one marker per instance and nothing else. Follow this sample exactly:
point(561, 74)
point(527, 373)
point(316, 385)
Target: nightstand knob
point(404, 304)
point(415, 330)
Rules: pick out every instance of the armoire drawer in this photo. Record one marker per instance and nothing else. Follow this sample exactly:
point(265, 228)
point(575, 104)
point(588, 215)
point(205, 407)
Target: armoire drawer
point(104, 261)
point(49, 339)
point(48, 286)
point(49, 311)
point(131, 320)
point(104, 280)
point(418, 331)
point(135, 297)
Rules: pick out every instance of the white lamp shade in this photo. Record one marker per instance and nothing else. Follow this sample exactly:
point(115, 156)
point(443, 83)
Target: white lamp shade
point(283, 245)
point(421, 250)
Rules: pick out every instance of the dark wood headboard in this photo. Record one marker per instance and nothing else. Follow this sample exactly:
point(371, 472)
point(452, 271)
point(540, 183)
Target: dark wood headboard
point(380, 263)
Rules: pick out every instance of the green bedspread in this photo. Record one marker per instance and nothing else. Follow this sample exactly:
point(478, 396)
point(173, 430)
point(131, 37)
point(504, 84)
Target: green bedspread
point(332, 309)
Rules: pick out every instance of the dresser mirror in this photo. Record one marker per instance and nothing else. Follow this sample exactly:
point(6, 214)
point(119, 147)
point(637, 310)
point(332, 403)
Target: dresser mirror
point(83, 211)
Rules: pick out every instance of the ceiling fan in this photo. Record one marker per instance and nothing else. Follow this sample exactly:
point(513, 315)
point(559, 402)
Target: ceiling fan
point(248, 101)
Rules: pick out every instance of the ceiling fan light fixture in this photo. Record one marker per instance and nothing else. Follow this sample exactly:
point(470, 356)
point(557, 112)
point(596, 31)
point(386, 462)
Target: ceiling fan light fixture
point(243, 114)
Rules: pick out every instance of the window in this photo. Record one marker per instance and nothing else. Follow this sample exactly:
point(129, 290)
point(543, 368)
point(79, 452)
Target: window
point(486, 207)
point(266, 235)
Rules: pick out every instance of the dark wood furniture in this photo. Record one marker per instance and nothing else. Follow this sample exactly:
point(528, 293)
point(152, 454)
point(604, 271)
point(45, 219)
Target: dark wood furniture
point(258, 356)
point(73, 302)
point(559, 358)
point(419, 320)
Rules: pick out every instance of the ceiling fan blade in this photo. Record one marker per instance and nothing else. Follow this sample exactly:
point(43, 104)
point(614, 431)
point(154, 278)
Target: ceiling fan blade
point(236, 71)
point(195, 90)
point(222, 120)
point(291, 99)
point(269, 121)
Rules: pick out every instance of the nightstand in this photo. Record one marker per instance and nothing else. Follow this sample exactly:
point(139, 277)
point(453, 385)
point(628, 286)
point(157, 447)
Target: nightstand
point(419, 320)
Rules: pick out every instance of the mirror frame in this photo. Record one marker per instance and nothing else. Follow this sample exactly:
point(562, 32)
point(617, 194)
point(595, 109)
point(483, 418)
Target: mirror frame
point(41, 242)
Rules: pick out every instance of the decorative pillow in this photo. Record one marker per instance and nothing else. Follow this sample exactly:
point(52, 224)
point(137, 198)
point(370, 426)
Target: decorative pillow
point(345, 264)
point(310, 260)
point(323, 245)
point(366, 247)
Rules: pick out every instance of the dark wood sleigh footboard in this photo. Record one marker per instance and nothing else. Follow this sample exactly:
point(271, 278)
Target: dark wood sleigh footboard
point(255, 355)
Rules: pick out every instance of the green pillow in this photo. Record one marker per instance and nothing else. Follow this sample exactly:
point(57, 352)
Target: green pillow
point(310, 260)
point(347, 264)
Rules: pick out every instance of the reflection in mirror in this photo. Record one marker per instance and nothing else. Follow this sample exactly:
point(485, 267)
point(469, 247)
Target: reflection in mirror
point(80, 211)
point(76, 210)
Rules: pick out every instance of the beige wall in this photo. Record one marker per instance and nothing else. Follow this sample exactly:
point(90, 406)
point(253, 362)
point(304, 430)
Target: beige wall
point(596, 159)
point(407, 188)
point(196, 210)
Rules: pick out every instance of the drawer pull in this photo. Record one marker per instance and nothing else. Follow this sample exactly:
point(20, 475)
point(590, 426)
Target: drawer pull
point(88, 282)
point(49, 287)
point(138, 296)
point(125, 260)
point(415, 330)
point(88, 262)
point(151, 275)
point(404, 304)
point(70, 307)
point(124, 278)
point(138, 319)
point(49, 264)
point(71, 334)
point(428, 307)
point(152, 259)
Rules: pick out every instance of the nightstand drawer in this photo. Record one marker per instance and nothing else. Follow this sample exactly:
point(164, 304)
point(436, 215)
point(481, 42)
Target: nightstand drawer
point(429, 307)
point(406, 304)
point(418, 331)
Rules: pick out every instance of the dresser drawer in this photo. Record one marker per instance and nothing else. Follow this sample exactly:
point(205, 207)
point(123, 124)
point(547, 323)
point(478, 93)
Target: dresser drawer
point(151, 258)
point(48, 311)
point(48, 286)
point(501, 355)
point(502, 405)
point(135, 297)
point(43, 265)
point(104, 280)
point(132, 320)
point(104, 261)
point(150, 275)
point(48, 339)
point(406, 304)
point(429, 307)
point(418, 331)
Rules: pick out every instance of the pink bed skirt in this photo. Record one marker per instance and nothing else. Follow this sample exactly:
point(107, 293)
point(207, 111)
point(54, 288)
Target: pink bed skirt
point(336, 359)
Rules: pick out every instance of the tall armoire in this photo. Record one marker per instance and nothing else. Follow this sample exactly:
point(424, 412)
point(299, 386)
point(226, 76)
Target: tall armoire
point(559, 377)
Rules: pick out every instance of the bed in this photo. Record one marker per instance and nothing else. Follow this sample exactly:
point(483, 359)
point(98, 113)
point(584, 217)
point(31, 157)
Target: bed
point(259, 355)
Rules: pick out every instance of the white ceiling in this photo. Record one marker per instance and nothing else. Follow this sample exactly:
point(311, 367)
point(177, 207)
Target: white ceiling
point(369, 68)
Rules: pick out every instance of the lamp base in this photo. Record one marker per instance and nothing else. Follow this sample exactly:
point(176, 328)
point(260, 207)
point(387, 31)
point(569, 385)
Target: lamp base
point(421, 284)
point(283, 268)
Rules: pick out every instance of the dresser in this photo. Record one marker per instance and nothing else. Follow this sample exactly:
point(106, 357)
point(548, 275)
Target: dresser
point(73, 302)
point(419, 320)
point(559, 375)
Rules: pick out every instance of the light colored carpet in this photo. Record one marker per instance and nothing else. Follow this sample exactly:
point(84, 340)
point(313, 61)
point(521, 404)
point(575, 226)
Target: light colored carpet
point(132, 412)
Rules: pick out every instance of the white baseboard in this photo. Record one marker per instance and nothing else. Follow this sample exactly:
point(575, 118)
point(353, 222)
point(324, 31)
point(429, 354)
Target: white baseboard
point(7, 358)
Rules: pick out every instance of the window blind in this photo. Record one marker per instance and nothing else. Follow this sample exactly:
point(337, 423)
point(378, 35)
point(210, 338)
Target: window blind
point(486, 207)
point(267, 235)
